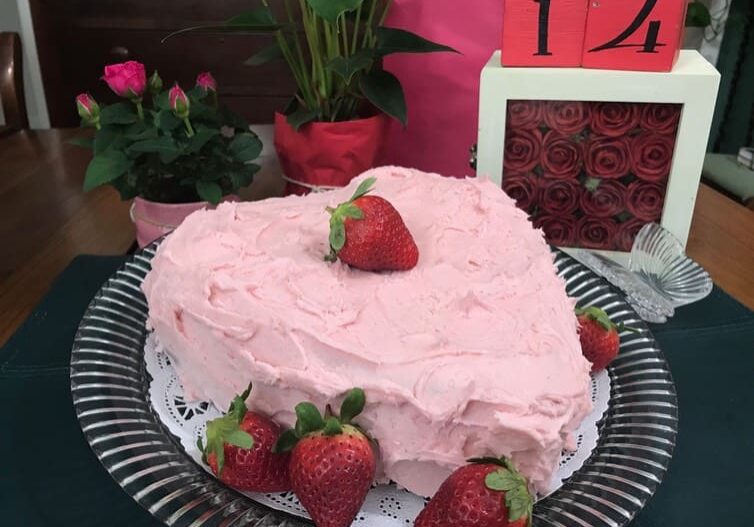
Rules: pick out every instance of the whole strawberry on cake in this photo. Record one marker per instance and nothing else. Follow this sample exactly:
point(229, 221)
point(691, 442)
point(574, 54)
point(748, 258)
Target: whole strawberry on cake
point(435, 295)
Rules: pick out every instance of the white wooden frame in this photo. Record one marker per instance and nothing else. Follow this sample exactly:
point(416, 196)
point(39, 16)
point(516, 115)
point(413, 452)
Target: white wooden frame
point(693, 82)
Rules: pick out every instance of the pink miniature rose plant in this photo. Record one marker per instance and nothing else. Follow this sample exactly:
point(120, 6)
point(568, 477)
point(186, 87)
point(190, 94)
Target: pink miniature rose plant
point(166, 145)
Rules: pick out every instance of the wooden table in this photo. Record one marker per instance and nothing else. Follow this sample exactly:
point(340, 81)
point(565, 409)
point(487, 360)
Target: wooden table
point(46, 220)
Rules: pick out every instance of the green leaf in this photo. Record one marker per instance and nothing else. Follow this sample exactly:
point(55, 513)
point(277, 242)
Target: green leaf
point(245, 147)
point(698, 15)
point(162, 101)
point(332, 427)
point(209, 191)
point(337, 235)
point(349, 210)
point(352, 405)
point(244, 176)
point(285, 442)
point(159, 145)
point(597, 314)
point(139, 131)
point(502, 480)
point(240, 439)
point(167, 121)
point(300, 117)
point(258, 20)
point(364, 188)
point(384, 90)
point(108, 136)
point(105, 168)
point(391, 40)
point(201, 138)
point(347, 67)
point(265, 55)
point(309, 419)
point(85, 142)
point(331, 10)
point(119, 113)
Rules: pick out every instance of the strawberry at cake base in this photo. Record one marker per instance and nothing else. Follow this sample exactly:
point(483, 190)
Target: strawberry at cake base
point(474, 352)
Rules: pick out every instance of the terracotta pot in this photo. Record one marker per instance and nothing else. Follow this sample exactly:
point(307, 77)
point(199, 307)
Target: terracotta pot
point(153, 219)
point(323, 156)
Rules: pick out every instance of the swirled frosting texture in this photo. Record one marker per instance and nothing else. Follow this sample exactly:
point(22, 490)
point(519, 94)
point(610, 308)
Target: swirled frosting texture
point(474, 352)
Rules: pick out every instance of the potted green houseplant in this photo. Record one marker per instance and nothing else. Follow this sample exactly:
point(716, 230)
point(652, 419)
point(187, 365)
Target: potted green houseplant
point(337, 122)
point(172, 152)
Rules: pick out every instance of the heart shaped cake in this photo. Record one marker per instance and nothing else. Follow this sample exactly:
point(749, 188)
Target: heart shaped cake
point(474, 352)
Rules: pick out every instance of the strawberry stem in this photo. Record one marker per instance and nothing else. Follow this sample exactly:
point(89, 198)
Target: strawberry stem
point(339, 214)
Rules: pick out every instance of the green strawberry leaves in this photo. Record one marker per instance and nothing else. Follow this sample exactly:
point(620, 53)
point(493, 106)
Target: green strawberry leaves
point(226, 429)
point(602, 318)
point(309, 420)
point(339, 215)
point(518, 499)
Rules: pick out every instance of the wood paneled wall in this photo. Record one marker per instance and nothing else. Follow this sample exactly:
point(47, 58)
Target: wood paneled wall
point(77, 38)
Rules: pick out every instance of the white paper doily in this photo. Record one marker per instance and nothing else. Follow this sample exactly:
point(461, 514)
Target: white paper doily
point(386, 505)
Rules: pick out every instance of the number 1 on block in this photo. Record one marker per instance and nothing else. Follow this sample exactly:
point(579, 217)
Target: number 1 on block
point(543, 32)
point(642, 35)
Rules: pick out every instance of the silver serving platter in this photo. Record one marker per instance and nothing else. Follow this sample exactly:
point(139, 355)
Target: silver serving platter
point(109, 385)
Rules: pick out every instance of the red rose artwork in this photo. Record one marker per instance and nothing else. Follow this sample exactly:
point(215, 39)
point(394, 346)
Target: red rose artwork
point(645, 200)
point(596, 233)
point(559, 230)
point(627, 233)
point(559, 196)
point(605, 201)
point(522, 150)
point(524, 115)
point(661, 118)
point(614, 119)
point(567, 117)
point(651, 156)
point(523, 189)
point(607, 157)
point(561, 156)
point(590, 174)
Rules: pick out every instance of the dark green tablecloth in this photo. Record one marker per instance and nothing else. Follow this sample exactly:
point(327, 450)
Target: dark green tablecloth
point(49, 477)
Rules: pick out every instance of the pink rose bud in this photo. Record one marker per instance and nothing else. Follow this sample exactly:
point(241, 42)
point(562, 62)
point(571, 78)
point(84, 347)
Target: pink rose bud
point(128, 79)
point(206, 81)
point(88, 108)
point(179, 103)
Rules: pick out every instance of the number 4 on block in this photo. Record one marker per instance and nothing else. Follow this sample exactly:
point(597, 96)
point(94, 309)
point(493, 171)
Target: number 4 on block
point(543, 32)
point(640, 35)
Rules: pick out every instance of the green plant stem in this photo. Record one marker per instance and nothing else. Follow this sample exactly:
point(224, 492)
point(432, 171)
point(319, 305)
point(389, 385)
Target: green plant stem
point(189, 128)
point(139, 109)
point(388, 5)
point(356, 27)
point(368, 29)
point(346, 51)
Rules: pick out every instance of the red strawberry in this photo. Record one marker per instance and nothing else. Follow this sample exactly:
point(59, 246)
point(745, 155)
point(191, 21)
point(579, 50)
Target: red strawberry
point(367, 232)
point(332, 462)
point(239, 450)
point(489, 492)
point(599, 337)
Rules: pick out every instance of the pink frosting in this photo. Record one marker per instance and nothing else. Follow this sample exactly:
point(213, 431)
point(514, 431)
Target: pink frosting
point(474, 352)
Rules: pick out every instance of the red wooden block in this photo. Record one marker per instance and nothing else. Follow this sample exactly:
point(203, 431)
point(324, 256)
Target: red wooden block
point(543, 32)
point(641, 35)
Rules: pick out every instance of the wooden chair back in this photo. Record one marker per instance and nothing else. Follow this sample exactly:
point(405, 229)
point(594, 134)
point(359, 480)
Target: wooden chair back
point(12, 84)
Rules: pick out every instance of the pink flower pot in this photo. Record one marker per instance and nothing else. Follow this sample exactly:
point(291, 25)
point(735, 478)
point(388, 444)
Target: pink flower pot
point(154, 220)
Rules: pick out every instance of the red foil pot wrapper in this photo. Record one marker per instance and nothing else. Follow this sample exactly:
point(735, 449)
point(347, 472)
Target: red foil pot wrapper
point(652, 156)
point(607, 157)
point(596, 233)
point(607, 200)
point(645, 200)
point(614, 119)
point(523, 189)
point(660, 118)
point(559, 230)
point(627, 232)
point(567, 117)
point(562, 157)
point(524, 115)
point(559, 197)
point(522, 150)
point(328, 155)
